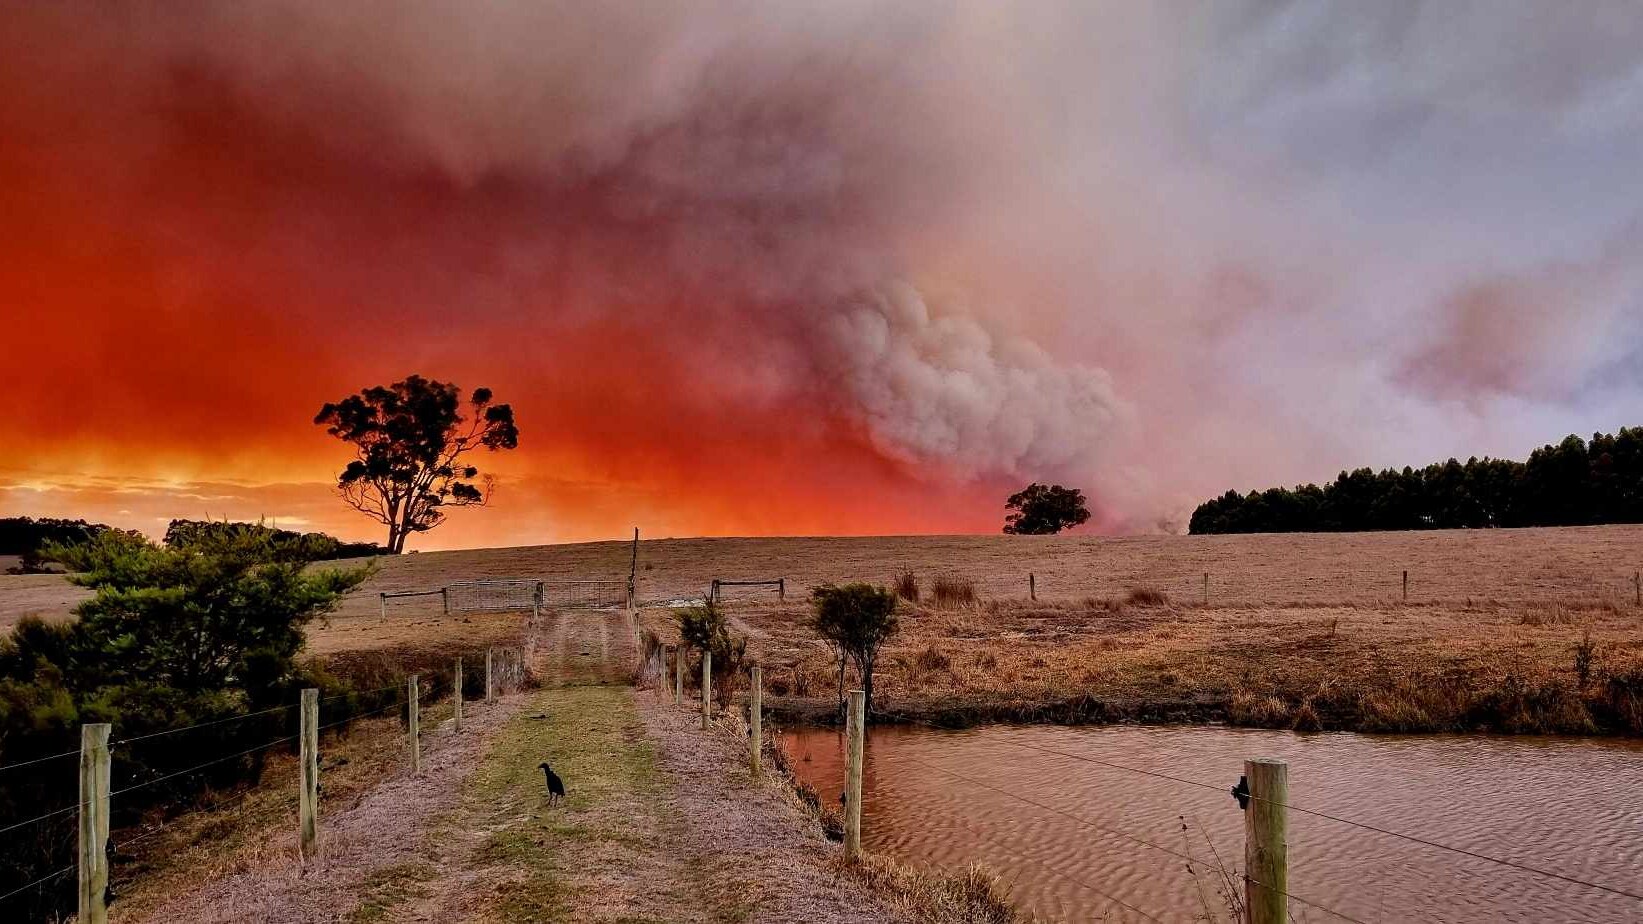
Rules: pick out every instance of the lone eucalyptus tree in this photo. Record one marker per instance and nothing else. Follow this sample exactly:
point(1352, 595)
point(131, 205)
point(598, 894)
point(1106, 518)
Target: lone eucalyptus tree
point(409, 440)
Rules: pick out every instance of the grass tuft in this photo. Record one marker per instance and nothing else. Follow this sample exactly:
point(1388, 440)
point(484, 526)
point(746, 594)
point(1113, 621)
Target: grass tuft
point(970, 896)
point(948, 592)
point(907, 586)
point(1147, 596)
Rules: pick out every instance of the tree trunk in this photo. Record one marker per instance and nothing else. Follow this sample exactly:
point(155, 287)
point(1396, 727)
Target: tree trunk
point(841, 683)
point(866, 668)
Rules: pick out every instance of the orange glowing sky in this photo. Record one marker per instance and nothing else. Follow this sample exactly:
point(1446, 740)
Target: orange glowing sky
point(861, 269)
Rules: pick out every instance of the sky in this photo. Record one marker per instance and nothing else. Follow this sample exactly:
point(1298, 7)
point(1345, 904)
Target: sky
point(773, 268)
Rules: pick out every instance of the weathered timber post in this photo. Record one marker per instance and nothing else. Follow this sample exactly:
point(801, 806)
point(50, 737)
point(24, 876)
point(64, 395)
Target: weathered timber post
point(1637, 583)
point(781, 589)
point(490, 688)
point(855, 729)
point(755, 714)
point(415, 731)
point(382, 605)
point(707, 687)
point(1266, 845)
point(713, 591)
point(308, 776)
point(679, 676)
point(1406, 586)
point(633, 572)
point(536, 602)
point(445, 595)
point(1206, 588)
point(456, 696)
point(93, 823)
point(1032, 586)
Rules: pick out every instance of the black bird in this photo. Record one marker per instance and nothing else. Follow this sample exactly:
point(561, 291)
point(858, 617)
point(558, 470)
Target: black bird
point(556, 786)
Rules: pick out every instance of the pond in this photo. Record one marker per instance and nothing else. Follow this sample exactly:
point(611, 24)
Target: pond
point(1066, 817)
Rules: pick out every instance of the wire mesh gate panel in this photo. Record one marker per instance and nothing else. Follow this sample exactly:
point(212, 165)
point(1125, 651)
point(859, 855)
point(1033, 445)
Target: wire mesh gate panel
point(585, 595)
point(523, 594)
point(490, 596)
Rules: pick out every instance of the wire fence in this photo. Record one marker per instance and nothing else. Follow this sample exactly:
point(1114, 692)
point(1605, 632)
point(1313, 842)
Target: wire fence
point(1279, 583)
point(101, 759)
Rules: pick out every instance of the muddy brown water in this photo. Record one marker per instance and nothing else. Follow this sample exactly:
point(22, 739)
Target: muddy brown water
point(1066, 833)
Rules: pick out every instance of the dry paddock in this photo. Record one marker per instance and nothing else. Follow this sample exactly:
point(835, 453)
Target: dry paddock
point(1289, 621)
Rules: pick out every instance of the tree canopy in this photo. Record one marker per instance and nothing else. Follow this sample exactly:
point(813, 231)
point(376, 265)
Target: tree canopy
point(25, 535)
point(409, 440)
point(856, 619)
point(1572, 483)
point(313, 546)
point(1041, 510)
point(198, 617)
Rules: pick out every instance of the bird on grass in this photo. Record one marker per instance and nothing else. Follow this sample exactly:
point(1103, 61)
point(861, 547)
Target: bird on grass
point(556, 786)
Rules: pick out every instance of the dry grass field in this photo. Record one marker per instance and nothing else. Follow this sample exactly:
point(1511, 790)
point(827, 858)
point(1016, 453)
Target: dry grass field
point(1518, 630)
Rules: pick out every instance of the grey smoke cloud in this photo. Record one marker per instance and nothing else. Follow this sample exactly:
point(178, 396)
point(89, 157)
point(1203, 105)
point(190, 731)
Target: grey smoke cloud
point(1155, 249)
point(941, 389)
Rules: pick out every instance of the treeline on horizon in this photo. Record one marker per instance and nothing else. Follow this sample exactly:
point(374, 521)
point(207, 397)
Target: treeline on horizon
point(1572, 483)
point(25, 536)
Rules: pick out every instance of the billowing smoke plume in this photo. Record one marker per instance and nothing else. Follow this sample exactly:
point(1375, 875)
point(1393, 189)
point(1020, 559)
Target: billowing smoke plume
point(1157, 250)
point(942, 390)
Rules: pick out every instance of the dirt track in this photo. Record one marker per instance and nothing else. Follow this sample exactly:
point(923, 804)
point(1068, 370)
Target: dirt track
point(663, 822)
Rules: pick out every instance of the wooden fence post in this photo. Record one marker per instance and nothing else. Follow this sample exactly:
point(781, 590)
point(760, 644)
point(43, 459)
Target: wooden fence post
point(456, 696)
point(755, 714)
point(490, 689)
point(308, 779)
point(1266, 846)
point(1637, 582)
point(1032, 586)
point(1406, 586)
point(781, 589)
point(1206, 588)
point(382, 605)
point(856, 733)
point(445, 595)
point(93, 823)
point(536, 602)
point(679, 676)
point(633, 573)
point(707, 687)
point(416, 732)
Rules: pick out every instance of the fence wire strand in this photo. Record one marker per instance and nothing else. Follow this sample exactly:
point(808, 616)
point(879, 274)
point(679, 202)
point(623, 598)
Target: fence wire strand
point(43, 879)
point(39, 760)
point(226, 719)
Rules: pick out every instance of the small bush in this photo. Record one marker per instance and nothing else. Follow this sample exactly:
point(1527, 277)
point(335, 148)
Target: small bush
point(856, 619)
point(703, 628)
point(949, 592)
point(907, 586)
point(1306, 719)
point(1585, 657)
point(1147, 596)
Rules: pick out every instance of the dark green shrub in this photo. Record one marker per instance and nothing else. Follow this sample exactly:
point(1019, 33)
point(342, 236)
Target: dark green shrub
point(181, 650)
point(856, 619)
point(703, 628)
